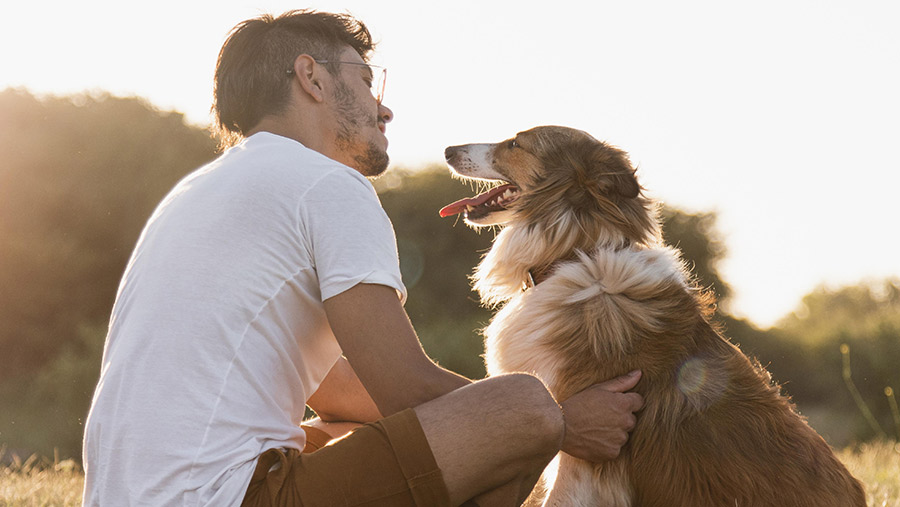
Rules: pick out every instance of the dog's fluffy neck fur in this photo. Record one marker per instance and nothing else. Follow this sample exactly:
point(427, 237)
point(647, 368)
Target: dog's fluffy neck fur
point(525, 247)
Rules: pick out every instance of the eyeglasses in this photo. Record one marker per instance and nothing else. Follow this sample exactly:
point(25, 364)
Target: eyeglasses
point(377, 72)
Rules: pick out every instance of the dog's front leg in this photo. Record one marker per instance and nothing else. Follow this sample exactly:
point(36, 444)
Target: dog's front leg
point(582, 484)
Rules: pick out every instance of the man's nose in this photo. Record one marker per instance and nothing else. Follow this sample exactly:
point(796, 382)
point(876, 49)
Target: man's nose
point(385, 114)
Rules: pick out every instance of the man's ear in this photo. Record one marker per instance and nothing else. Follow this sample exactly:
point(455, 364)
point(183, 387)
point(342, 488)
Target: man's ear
point(309, 75)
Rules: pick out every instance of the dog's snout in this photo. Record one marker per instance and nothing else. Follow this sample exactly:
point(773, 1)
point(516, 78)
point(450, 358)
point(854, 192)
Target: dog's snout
point(449, 153)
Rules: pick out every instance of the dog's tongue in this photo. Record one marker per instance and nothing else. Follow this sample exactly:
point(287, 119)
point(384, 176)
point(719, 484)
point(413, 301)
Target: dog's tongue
point(461, 205)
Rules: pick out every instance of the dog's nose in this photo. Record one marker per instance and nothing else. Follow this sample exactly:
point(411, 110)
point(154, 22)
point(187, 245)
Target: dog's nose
point(450, 152)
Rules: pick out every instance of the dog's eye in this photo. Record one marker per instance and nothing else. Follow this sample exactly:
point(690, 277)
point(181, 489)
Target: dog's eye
point(513, 144)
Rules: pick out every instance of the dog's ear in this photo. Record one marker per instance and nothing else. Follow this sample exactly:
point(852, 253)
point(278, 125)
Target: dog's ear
point(615, 171)
point(626, 185)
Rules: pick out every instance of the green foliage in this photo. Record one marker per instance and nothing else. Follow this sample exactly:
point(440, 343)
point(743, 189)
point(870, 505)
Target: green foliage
point(866, 319)
point(697, 238)
point(46, 413)
point(804, 353)
point(864, 310)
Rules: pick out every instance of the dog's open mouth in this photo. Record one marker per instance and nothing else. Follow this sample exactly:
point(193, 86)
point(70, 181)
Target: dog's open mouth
point(495, 199)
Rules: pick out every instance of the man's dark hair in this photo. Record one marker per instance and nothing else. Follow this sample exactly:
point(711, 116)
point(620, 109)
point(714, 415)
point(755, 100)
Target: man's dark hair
point(252, 78)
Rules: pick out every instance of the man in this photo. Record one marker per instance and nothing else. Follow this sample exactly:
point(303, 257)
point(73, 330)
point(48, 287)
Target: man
point(267, 281)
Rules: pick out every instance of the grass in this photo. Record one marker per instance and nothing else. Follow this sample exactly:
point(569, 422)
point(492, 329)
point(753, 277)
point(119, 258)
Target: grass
point(877, 465)
point(45, 482)
point(40, 482)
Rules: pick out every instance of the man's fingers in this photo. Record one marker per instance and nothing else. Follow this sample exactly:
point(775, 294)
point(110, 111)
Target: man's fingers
point(635, 400)
point(599, 419)
point(623, 383)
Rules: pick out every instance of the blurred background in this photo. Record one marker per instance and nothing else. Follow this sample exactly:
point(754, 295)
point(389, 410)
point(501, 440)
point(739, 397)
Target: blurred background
point(768, 131)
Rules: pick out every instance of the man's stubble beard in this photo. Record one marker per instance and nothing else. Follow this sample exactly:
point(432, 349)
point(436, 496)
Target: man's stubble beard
point(352, 117)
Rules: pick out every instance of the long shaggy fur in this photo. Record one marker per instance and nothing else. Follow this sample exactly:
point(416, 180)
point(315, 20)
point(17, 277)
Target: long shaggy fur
point(715, 429)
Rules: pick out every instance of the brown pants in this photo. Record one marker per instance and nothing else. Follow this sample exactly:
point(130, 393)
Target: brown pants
point(387, 463)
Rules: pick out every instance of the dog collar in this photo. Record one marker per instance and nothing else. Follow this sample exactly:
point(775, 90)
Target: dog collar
point(535, 276)
point(529, 281)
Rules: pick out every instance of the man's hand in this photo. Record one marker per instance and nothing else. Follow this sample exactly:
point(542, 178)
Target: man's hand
point(598, 419)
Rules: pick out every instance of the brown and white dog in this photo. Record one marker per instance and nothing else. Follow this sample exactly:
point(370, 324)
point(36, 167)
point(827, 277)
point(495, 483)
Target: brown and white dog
point(588, 292)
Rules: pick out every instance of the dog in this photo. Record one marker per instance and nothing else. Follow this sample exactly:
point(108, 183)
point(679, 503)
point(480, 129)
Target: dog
point(588, 291)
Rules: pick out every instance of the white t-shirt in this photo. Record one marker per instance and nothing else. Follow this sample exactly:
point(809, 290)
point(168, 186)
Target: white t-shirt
point(218, 335)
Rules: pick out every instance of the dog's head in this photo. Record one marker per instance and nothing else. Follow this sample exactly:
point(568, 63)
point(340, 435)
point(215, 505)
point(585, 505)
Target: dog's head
point(553, 177)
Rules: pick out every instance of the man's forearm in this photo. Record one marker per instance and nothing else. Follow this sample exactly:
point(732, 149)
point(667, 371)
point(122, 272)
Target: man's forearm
point(341, 397)
point(380, 343)
point(433, 383)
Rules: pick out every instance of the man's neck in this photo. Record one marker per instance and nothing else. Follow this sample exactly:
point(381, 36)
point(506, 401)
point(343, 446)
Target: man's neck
point(312, 138)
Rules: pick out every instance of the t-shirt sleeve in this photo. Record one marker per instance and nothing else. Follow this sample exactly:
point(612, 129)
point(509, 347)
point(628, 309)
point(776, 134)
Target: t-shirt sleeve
point(350, 237)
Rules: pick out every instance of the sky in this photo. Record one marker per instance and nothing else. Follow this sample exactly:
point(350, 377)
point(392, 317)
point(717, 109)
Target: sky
point(781, 116)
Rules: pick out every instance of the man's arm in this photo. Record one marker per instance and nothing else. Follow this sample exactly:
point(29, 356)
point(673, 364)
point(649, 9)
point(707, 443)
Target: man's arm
point(341, 397)
point(378, 340)
point(380, 344)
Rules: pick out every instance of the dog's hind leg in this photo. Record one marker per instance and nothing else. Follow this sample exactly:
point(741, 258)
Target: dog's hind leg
point(582, 484)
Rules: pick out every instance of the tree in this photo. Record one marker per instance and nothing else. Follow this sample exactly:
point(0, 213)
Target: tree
point(79, 177)
point(866, 319)
point(857, 310)
point(700, 244)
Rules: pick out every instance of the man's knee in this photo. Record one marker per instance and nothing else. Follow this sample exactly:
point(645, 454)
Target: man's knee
point(526, 399)
point(525, 389)
point(500, 430)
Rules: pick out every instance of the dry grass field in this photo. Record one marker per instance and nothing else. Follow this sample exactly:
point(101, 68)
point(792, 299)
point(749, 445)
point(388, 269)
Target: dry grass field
point(877, 465)
point(44, 482)
point(40, 482)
